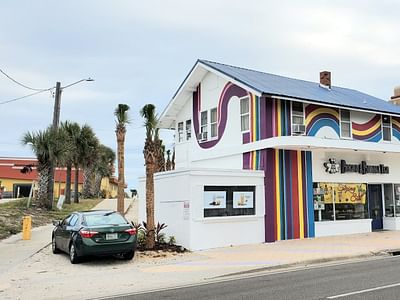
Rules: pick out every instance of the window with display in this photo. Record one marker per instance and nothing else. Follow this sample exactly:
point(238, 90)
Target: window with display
point(220, 201)
point(340, 201)
point(392, 199)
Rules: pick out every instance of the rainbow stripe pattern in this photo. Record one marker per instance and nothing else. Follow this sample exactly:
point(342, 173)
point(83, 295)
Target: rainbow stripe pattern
point(278, 114)
point(254, 160)
point(396, 127)
point(257, 110)
point(319, 116)
point(370, 131)
point(288, 195)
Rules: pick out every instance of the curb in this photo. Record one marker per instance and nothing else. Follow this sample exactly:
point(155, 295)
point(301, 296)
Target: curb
point(384, 253)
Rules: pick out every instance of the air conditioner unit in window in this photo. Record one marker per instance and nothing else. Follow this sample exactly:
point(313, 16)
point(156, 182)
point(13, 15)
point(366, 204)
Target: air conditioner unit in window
point(202, 136)
point(298, 129)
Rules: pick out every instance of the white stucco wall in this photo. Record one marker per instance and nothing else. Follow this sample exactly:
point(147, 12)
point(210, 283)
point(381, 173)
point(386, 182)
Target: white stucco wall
point(175, 189)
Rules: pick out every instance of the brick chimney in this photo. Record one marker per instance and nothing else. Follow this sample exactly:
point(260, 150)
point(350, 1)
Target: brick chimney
point(325, 79)
point(396, 98)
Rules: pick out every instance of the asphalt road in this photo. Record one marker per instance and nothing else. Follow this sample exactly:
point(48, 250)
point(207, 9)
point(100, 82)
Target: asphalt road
point(371, 279)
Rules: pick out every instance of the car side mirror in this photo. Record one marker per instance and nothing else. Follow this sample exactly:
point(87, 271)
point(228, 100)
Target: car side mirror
point(56, 222)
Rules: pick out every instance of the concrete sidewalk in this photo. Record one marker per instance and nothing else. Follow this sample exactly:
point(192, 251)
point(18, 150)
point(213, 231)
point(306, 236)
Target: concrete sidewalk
point(163, 270)
point(15, 251)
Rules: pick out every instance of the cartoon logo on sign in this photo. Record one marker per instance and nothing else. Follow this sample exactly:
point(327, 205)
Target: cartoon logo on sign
point(331, 166)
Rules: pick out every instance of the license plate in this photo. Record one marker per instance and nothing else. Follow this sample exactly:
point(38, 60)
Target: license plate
point(111, 236)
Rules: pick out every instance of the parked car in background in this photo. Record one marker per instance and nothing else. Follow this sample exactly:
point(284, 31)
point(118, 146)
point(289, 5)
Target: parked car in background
point(97, 233)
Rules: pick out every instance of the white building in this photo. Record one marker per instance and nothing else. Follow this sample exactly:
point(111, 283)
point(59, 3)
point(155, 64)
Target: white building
point(261, 157)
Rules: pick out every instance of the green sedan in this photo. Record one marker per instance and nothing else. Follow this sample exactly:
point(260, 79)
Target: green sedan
point(95, 232)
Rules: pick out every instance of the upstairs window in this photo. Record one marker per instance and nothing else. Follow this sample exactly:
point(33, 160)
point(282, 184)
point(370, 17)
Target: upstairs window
point(245, 114)
point(203, 125)
point(298, 126)
point(213, 122)
point(345, 124)
point(386, 128)
point(188, 129)
point(180, 131)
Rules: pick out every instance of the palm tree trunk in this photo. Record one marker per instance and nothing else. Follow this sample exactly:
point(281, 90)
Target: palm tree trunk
point(121, 175)
point(76, 185)
point(150, 239)
point(87, 182)
point(50, 189)
point(68, 184)
point(97, 184)
point(42, 195)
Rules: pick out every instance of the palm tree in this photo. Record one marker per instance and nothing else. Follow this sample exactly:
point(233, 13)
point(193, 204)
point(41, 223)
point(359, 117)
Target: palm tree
point(49, 147)
point(151, 153)
point(87, 150)
point(72, 130)
point(122, 119)
point(103, 167)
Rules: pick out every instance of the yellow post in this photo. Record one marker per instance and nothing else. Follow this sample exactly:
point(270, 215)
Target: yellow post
point(26, 228)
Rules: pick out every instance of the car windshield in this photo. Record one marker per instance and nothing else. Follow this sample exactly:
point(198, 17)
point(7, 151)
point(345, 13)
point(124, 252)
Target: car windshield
point(104, 219)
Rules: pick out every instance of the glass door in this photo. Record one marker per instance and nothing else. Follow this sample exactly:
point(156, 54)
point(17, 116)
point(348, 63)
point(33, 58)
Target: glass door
point(375, 205)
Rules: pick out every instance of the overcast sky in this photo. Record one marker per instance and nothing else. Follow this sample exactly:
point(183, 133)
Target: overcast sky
point(139, 52)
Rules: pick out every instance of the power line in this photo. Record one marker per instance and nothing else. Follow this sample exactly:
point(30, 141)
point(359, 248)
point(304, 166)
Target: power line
point(26, 96)
point(19, 83)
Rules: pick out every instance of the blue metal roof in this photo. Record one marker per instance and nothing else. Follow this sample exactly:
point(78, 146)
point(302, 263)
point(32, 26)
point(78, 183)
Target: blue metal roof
point(271, 84)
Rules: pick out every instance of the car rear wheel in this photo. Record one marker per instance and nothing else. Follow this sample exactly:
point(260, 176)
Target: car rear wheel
point(54, 245)
point(128, 255)
point(73, 256)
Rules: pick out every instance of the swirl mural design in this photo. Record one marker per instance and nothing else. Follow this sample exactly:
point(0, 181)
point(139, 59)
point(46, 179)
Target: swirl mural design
point(370, 131)
point(230, 90)
point(396, 127)
point(319, 116)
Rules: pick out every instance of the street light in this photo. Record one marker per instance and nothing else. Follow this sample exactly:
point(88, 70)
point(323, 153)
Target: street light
point(57, 99)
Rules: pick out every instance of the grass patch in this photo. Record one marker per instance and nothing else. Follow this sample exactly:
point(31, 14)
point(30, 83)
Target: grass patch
point(11, 214)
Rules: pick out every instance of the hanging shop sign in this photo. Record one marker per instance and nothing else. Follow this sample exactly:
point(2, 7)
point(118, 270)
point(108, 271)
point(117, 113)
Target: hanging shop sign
point(332, 167)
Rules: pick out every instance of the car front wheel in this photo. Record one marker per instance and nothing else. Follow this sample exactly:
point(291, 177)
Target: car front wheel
point(73, 256)
point(54, 245)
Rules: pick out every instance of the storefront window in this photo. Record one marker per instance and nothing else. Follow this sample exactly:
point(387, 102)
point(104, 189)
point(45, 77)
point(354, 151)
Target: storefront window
point(397, 199)
point(340, 201)
point(222, 201)
point(389, 203)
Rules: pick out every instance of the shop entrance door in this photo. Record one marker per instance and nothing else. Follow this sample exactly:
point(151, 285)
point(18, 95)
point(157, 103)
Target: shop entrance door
point(375, 205)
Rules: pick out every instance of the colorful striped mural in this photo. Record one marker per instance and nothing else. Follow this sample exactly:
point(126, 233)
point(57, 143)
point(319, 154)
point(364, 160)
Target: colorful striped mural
point(396, 127)
point(278, 114)
point(370, 131)
point(254, 160)
point(318, 117)
point(257, 120)
point(288, 195)
point(230, 90)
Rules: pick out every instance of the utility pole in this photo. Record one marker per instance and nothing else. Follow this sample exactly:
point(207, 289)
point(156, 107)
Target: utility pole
point(56, 121)
point(57, 105)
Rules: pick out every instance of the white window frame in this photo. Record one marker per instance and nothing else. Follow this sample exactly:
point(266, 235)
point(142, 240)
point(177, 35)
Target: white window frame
point(291, 117)
point(215, 123)
point(350, 123)
point(188, 131)
point(180, 132)
point(384, 126)
point(244, 114)
point(204, 127)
